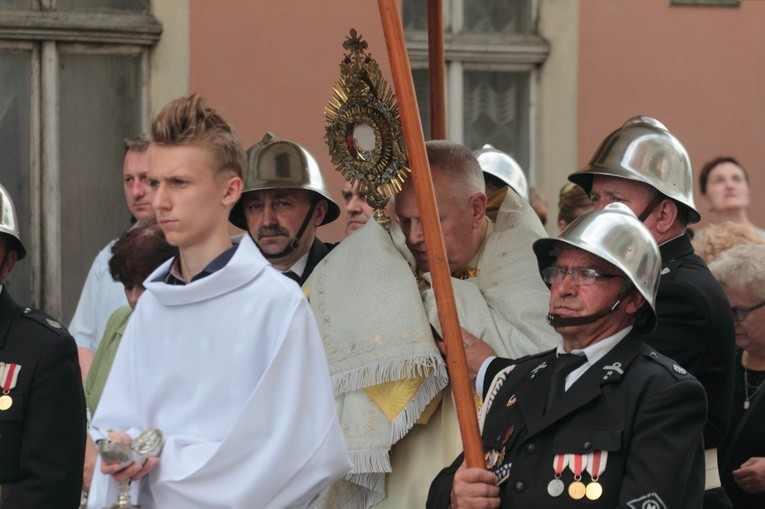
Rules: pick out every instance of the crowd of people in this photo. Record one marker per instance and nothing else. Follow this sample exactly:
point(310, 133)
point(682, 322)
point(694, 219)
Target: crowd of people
point(612, 367)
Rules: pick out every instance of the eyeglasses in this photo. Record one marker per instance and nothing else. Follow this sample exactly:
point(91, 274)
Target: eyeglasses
point(740, 314)
point(579, 277)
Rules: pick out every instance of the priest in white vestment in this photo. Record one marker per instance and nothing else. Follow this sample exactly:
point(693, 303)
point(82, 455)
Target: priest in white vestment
point(375, 321)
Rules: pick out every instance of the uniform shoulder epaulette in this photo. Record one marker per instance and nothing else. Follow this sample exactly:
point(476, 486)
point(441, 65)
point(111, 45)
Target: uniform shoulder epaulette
point(44, 319)
point(671, 366)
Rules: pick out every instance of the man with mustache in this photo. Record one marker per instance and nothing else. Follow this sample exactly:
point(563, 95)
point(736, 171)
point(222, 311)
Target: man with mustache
point(284, 201)
point(603, 420)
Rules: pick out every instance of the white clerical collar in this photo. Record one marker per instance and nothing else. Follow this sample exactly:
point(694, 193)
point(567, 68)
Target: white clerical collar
point(299, 266)
point(593, 352)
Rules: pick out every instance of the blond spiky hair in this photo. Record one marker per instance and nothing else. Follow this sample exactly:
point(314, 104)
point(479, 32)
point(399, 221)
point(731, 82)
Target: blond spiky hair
point(188, 121)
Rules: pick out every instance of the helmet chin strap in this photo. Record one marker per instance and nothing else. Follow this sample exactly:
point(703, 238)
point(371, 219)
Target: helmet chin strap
point(658, 198)
point(2, 264)
point(560, 321)
point(295, 242)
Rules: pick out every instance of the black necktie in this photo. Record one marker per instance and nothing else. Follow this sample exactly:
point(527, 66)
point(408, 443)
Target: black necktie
point(563, 365)
point(292, 276)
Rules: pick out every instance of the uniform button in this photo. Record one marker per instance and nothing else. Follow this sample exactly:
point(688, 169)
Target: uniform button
point(498, 440)
point(531, 449)
point(587, 446)
point(520, 487)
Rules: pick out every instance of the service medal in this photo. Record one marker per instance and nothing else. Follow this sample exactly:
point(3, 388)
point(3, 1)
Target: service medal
point(494, 458)
point(596, 465)
point(594, 490)
point(576, 490)
point(555, 488)
point(9, 374)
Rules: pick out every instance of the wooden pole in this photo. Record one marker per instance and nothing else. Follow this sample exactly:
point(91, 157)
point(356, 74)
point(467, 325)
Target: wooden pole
point(434, 242)
point(436, 74)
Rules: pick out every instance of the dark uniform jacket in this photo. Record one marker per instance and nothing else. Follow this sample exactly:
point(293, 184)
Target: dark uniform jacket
point(42, 434)
point(746, 439)
point(696, 330)
point(641, 407)
point(318, 251)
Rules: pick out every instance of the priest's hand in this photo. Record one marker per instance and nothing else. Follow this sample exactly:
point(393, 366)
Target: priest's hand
point(474, 488)
point(133, 471)
point(476, 351)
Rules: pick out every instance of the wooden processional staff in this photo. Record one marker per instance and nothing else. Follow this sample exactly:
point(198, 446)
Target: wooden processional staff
point(426, 204)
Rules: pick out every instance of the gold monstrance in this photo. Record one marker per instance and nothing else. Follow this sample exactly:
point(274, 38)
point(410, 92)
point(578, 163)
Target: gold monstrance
point(363, 128)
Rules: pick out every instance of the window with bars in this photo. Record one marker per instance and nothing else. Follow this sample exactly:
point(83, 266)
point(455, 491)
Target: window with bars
point(492, 51)
point(75, 82)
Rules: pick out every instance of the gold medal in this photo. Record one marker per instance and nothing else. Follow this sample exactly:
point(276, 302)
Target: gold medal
point(596, 465)
point(594, 490)
point(5, 402)
point(576, 490)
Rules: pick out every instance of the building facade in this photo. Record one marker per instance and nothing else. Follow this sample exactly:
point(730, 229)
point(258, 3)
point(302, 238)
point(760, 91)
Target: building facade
point(545, 80)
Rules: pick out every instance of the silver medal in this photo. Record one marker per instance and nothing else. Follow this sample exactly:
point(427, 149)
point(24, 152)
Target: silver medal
point(555, 488)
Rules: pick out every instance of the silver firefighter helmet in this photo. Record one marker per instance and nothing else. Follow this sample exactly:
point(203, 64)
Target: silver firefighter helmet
point(500, 165)
point(276, 163)
point(618, 237)
point(9, 222)
point(645, 151)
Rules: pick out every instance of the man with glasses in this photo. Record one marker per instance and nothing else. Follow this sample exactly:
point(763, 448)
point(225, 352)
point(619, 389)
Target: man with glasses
point(603, 420)
point(645, 167)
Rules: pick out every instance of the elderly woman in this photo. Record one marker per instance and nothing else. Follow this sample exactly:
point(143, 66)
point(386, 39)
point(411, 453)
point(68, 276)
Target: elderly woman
point(741, 272)
point(719, 237)
point(135, 256)
point(725, 191)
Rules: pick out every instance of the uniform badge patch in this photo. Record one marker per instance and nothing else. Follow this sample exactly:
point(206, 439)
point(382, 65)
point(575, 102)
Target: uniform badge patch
point(53, 323)
point(679, 370)
point(616, 367)
point(649, 501)
point(537, 369)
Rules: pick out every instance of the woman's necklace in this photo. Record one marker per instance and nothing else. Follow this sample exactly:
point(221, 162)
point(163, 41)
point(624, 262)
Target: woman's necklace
point(756, 388)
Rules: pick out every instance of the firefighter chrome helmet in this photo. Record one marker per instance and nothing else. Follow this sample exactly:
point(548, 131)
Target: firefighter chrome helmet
point(645, 151)
point(9, 222)
point(500, 165)
point(615, 235)
point(276, 163)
